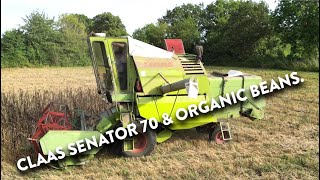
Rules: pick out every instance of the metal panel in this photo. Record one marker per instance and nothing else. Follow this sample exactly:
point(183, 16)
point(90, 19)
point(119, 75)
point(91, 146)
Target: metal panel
point(175, 45)
point(57, 138)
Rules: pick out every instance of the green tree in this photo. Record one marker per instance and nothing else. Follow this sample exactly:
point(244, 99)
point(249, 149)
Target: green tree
point(73, 41)
point(185, 22)
point(41, 38)
point(188, 31)
point(13, 49)
point(297, 22)
point(182, 12)
point(152, 33)
point(109, 24)
point(182, 22)
point(85, 20)
point(217, 14)
point(234, 28)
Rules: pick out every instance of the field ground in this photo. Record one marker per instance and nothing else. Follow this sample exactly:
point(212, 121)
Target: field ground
point(46, 78)
point(284, 145)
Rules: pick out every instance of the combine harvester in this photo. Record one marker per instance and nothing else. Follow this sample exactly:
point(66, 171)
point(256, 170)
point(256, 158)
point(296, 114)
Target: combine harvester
point(143, 82)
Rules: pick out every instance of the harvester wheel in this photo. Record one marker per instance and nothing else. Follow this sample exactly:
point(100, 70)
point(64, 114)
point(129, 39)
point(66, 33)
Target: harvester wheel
point(116, 148)
point(144, 144)
point(216, 135)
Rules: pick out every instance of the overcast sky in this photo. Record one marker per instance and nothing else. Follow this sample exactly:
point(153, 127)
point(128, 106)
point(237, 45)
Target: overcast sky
point(134, 14)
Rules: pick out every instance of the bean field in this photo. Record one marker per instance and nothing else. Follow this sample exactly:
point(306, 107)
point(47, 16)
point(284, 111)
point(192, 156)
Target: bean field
point(284, 145)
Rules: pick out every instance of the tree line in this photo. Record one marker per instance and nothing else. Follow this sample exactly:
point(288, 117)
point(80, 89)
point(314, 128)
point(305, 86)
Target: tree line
point(233, 33)
point(41, 41)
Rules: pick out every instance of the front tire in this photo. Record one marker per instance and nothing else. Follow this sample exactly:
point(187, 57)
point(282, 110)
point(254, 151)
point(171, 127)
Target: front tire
point(144, 144)
point(216, 135)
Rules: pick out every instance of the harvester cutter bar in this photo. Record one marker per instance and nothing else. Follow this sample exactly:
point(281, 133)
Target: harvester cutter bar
point(51, 120)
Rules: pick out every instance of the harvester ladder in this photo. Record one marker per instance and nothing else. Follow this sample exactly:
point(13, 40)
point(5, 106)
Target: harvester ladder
point(190, 65)
point(225, 130)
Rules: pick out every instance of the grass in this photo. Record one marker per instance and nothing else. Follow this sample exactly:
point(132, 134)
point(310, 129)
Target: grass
point(284, 145)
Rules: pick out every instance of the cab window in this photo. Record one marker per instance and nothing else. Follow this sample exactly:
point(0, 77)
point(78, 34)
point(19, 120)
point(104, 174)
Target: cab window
point(120, 56)
point(103, 70)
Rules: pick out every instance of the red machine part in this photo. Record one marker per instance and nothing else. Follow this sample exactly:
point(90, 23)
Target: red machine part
point(175, 45)
point(51, 120)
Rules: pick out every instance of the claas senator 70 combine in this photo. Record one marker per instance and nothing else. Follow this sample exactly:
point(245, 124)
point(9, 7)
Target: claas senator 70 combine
point(143, 82)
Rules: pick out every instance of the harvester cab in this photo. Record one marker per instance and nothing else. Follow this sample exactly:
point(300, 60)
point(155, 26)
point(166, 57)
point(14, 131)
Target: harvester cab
point(112, 69)
point(144, 82)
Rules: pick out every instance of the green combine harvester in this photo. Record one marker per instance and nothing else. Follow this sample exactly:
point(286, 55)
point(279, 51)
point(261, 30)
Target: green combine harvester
point(142, 82)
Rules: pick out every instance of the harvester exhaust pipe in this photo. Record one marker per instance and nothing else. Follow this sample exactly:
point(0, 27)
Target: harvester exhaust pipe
point(191, 84)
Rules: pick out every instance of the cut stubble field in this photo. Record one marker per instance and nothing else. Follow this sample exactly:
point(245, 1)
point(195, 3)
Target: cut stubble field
point(284, 145)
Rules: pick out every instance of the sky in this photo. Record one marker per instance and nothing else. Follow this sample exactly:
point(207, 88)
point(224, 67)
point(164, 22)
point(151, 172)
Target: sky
point(134, 14)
